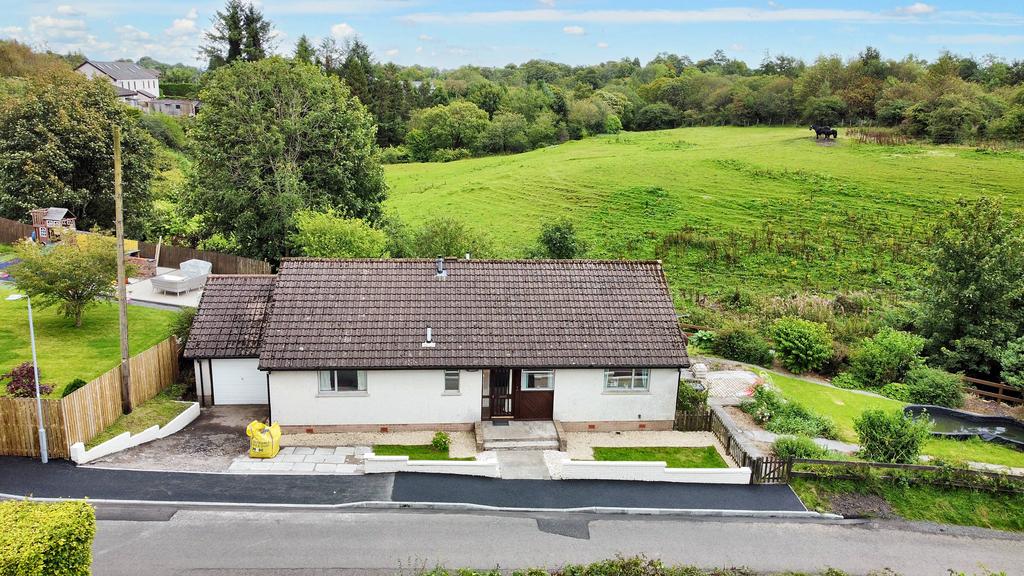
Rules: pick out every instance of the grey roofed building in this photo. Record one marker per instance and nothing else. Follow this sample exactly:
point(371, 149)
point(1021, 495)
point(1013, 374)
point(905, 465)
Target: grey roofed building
point(522, 313)
point(124, 70)
point(233, 313)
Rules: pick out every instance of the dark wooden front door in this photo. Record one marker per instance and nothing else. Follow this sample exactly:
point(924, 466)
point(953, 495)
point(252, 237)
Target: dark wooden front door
point(502, 393)
point(531, 404)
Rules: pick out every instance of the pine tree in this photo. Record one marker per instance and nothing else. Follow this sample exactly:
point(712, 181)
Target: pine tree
point(224, 40)
point(258, 32)
point(357, 70)
point(304, 51)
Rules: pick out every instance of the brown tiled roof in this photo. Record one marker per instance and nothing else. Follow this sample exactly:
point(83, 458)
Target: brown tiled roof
point(230, 319)
point(485, 313)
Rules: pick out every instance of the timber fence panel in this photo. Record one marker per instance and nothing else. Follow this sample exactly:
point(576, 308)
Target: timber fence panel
point(11, 231)
point(153, 370)
point(222, 263)
point(90, 409)
point(19, 428)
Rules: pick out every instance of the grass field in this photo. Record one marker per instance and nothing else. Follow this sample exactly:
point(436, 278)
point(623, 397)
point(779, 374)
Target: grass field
point(66, 352)
point(673, 456)
point(767, 210)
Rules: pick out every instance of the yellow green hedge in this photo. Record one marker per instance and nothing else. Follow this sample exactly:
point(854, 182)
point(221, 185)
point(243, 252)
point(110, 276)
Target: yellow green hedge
point(46, 539)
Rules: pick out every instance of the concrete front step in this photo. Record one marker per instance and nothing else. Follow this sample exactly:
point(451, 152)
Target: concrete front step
point(532, 444)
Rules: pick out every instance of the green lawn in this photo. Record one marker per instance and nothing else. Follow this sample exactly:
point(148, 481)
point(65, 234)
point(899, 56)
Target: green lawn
point(975, 450)
point(414, 452)
point(673, 456)
point(157, 411)
point(626, 193)
point(840, 405)
point(66, 352)
point(930, 503)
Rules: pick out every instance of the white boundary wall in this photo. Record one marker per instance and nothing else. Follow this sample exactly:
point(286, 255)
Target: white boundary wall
point(124, 441)
point(562, 468)
point(486, 464)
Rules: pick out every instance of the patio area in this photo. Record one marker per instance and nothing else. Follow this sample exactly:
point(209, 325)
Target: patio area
point(142, 291)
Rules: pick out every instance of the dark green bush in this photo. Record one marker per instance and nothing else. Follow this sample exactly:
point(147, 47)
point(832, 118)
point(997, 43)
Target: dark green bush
point(441, 441)
point(165, 129)
point(704, 339)
point(737, 342)
point(72, 386)
point(891, 436)
point(886, 357)
point(395, 155)
point(43, 539)
point(845, 380)
point(933, 386)
point(802, 345)
point(799, 447)
point(181, 326)
point(896, 391)
point(450, 154)
point(689, 399)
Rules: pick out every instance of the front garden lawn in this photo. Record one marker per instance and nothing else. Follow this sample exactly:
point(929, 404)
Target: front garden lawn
point(157, 411)
point(673, 456)
point(66, 352)
point(960, 506)
point(414, 452)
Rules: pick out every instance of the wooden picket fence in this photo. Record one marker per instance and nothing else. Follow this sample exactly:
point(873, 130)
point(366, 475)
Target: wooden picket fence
point(86, 412)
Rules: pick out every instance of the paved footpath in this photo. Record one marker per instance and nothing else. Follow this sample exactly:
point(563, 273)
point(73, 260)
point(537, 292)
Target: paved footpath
point(62, 479)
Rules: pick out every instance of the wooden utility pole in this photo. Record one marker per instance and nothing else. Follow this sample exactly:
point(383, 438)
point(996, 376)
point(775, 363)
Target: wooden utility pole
point(122, 291)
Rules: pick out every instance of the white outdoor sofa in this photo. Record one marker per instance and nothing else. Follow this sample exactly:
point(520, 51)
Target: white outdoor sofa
point(190, 276)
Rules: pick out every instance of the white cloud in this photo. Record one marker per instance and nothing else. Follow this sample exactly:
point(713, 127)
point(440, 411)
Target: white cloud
point(601, 45)
point(419, 49)
point(737, 47)
point(342, 30)
point(574, 30)
point(67, 10)
point(132, 34)
point(391, 53)
point(182, 27)
point(1001, 39)
point(425, 38)
point(916, 9)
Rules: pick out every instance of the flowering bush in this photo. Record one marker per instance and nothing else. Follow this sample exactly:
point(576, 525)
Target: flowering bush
point(22, 382)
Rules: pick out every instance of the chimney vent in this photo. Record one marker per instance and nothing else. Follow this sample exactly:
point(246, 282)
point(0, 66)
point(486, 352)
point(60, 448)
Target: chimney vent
point(429, 342)
point(439, 265)
point(467, 255)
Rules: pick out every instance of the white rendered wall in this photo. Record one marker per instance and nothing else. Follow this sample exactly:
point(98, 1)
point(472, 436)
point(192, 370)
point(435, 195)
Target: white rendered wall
point(391, 397)
point(580, 397)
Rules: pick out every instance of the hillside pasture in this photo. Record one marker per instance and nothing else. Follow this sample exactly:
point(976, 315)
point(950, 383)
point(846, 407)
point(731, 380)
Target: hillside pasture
point(763, 210)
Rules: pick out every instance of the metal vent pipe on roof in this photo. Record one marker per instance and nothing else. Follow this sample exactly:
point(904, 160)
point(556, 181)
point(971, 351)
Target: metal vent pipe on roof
point(439, 264)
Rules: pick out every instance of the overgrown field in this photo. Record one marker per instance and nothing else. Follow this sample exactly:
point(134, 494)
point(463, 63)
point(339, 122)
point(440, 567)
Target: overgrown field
point(763, 210)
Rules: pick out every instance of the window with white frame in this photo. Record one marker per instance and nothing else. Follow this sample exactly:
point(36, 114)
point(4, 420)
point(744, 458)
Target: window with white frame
point(627, 380)
point(333, 381)
point(451, 381)
point(538, 380)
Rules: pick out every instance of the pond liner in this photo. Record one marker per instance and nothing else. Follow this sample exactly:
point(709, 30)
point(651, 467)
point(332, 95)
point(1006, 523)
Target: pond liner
point(988, 428)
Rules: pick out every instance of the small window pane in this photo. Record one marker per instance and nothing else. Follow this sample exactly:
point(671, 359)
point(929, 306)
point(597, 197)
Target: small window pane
point(325, 381)
point(451, 380)
point(343, 381)
point(538, 380)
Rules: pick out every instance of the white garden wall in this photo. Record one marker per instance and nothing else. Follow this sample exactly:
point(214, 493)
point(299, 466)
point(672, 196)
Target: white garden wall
point(580, 397)
point(391, 397)
point(128, 440)
point(563, 468)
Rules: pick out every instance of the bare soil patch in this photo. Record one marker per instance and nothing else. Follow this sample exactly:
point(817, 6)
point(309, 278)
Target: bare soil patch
point(854, 505)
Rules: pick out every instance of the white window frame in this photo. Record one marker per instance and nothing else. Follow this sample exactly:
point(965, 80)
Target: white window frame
point(448, 375)
point(639, 381)
point(524, 378)
point(328, 377)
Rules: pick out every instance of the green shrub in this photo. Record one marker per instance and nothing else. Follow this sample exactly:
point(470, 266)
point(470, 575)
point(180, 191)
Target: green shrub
point(933, 386)
point(395, 155)
point(781, 416)
point(704, 339)
point(737, 342)
point(689, 399)
point(1011, 360)
point(891, 436)
point(896, 391)
point(72, 386)
point(450, 154)
point(799, 447)
point(845, 380)
point(43, 539)
point(886, 357)
point(802, 345)
point(441, 441)
point(165, 129)
point(181, 325)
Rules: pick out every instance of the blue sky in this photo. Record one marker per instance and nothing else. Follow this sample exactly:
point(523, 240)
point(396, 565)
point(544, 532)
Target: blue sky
point(450, 33)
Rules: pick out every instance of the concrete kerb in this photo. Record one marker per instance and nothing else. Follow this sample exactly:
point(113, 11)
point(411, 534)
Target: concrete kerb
point(448, 507)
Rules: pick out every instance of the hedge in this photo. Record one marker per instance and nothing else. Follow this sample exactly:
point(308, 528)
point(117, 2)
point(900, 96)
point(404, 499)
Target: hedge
point(39, 539)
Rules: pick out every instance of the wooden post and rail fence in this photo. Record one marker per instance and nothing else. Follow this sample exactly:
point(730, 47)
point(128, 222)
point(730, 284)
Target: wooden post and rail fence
point(170, 256)
point(86, 412)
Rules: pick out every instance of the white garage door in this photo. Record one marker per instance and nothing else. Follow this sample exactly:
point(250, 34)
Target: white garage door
point(239, 381)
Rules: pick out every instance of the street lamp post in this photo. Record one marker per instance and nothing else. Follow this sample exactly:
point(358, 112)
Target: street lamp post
point(35, 370)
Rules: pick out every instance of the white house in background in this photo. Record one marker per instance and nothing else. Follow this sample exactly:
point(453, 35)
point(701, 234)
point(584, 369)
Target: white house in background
point(338, 345)
point(134, 84)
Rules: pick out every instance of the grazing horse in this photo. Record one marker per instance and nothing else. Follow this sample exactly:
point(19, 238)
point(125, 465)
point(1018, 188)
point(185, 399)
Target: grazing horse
point(825, 131)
